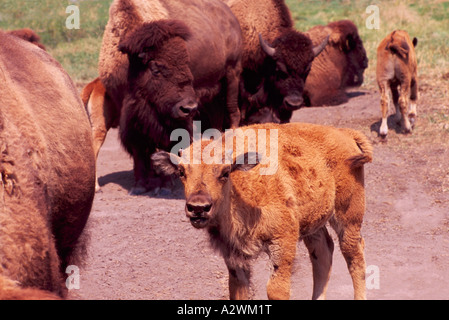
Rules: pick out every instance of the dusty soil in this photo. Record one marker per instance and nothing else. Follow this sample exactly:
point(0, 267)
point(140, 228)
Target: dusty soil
point(143, 247)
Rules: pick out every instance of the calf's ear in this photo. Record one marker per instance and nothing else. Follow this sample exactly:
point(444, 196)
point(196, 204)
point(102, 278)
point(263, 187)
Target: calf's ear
point(165, 162)
point(246, 161)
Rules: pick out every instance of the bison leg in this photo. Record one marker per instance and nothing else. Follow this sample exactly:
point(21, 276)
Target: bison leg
point(384, 106)
point(102, 114)
point(413, 99)
point(404, 97)
point(282, 253)
point(321, 248)
point(395, 96)
point(232, 95)
point(239, 281)
point(347, 223)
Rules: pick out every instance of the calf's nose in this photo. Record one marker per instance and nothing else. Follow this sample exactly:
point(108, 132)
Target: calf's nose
point(198, 209)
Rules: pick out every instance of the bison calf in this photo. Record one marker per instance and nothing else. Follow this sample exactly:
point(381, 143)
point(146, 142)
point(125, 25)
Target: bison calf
point(319, 179)
point(397, 70)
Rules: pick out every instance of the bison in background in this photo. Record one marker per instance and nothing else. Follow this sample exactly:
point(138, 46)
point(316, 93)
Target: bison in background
point(318, 178)
point(28, 35)
point(47, 172)
point(339, 66)
point(397, 70)
point(160, 61)
point(276, 61)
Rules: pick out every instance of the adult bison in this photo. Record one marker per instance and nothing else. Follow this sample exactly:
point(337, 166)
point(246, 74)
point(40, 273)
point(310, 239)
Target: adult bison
point(339, 66)
point(47, 172)
point(159, 60)
point(276, 60)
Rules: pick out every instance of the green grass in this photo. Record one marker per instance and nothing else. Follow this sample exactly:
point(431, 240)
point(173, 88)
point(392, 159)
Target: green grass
point(426, 20)
point(78, 49)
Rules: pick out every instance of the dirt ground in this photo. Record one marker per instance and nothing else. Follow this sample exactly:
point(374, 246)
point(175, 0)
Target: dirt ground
point(143, 247)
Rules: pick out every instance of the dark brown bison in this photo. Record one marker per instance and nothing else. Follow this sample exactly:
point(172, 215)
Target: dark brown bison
point(159, 61)
point(47, 172)
point(28, 35)
point(339, 66)
point(276, 60)
point(397, 70)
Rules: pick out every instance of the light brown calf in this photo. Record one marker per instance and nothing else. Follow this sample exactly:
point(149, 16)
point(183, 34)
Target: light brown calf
point(397, 70)
point(318, 178)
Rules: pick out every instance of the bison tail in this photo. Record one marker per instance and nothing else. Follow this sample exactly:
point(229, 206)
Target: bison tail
point(365, 147)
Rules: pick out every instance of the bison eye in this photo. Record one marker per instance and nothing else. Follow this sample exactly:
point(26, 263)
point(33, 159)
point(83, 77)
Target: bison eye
point(182, 173)
point(155, 68)
point(225, 174)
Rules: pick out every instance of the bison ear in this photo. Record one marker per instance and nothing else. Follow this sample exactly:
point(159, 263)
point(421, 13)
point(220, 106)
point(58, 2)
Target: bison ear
point(165, 162)
point(415, 42)
point(246, 161)
point(318, 48)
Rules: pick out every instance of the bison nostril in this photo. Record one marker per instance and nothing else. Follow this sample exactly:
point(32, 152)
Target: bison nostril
point(188, 108)
point(198, 209)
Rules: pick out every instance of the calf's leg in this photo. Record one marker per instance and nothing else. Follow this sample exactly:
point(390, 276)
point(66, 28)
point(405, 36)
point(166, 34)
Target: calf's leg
point(321, 248)
point(347, 222)
point(404, 105)
point(384, 106)
point(413, 100)
point(239, 282)
point(282, 254)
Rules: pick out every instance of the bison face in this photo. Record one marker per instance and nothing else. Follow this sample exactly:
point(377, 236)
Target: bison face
point(291, 57)
point(159, 68)
point(207, 187)
point(357, 60)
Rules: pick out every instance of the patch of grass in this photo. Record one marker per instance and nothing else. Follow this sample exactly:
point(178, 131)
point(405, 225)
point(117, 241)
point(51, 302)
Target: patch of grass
point(426, 20)
point(76, 49)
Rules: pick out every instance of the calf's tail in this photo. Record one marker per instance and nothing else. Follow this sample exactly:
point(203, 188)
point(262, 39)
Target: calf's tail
point(365, 147)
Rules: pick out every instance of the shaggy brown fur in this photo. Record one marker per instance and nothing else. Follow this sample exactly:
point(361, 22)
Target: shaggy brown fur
point(274, 67)
point(47, 171)
point(154, 69)
point(339, 66)
point(319, 179)
point(397, 70)
point(28, 35)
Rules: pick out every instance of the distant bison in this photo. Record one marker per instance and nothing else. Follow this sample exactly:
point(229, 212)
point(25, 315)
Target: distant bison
point(317, 177)
point(28, 35)
point(159, 61)
point(276, 60)
point(47, 172)
point(397, 70)
point(339, 66)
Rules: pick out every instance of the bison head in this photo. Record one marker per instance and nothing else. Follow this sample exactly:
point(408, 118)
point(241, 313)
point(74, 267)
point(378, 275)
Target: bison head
point(207, 186)
point(346, 38)
point(159, 67)
point(289, 61)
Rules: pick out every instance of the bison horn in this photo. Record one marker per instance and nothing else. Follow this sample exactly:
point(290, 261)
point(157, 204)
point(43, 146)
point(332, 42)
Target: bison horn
point(269, 50)
point(317, 49)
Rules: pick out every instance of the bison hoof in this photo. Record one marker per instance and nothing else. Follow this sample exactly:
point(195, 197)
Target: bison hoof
point(135, 191)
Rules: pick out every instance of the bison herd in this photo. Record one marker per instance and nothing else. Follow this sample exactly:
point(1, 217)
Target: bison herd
point(164, 64)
